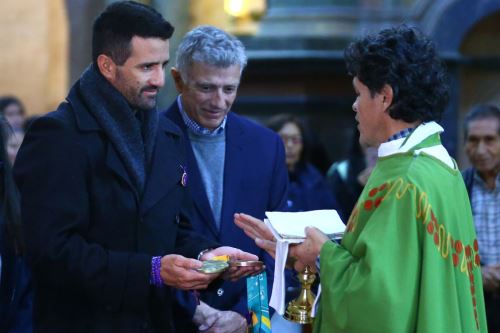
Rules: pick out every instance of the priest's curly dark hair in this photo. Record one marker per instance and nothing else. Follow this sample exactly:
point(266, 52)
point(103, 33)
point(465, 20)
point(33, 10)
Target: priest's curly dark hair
point(406, 60)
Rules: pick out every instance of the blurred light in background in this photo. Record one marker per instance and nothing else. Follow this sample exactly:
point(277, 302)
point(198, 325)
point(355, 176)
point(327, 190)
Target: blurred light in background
point(245, 15)
point(236, 8)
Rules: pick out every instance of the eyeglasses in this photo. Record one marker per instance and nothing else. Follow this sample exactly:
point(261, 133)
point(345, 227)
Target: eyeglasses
point(294, 139)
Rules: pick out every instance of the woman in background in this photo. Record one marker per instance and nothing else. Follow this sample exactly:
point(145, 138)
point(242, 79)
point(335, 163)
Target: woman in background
point(12, 110)
point(15, 278)
point(308, 189)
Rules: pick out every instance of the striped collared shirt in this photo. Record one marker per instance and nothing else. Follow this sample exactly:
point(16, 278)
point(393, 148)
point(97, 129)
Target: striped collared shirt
point(195, 127)
point(486, 211)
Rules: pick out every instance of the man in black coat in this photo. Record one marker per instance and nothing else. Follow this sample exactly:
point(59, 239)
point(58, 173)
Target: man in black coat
point(103, 182)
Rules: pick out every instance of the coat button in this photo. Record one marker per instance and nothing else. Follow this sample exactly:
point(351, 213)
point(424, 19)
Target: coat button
point(220, 292)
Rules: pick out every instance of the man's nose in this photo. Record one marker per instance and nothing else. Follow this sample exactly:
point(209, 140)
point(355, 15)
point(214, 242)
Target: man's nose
point(158, 78)
point(218, 99)
point(355, 106)
point(481, 147)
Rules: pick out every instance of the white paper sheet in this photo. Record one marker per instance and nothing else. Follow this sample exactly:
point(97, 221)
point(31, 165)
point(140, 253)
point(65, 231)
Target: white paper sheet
point(292, 225)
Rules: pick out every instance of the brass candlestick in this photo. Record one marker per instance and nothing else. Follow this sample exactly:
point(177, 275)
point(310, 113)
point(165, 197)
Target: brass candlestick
point(299, 309)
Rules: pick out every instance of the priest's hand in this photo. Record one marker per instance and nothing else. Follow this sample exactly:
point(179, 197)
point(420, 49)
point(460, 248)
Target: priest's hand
point(234, 273)
point(307, 251)
point(258, 231)
point(180, 272)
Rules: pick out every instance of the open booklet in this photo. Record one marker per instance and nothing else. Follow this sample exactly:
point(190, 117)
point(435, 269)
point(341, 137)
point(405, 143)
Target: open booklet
point(291, 226)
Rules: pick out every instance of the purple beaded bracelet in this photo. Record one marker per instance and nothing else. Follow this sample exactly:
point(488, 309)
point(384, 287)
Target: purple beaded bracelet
point(155, 272)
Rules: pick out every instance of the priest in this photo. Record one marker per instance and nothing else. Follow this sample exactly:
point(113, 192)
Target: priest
point(409, 260)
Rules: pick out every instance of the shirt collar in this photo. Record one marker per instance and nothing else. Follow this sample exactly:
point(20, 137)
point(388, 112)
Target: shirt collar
point(401, 134)
point(195, 127)
point(403, 145)
point(479, 180)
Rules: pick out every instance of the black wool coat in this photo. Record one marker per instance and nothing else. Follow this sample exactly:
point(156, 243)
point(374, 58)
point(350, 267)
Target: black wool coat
point(90, 235)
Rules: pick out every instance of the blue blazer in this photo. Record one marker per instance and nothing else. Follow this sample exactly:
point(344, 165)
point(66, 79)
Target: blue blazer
point(255, 181)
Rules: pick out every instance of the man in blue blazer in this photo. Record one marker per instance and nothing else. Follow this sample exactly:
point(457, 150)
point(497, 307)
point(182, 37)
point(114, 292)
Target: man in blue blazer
point(235, 165)
point(103, 182)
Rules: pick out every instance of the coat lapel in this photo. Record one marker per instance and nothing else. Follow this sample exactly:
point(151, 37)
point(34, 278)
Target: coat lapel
point(197, 188)
point(87, 123)
point(115, 164)
point(164, 173)
point(232, 170)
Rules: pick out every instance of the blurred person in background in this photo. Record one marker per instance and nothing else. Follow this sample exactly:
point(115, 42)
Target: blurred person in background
point(307, 188)
point(348, 177)
point(318, 154)
point(482, 146)
point(14, 141)
point(16, 301)
point(12, 109)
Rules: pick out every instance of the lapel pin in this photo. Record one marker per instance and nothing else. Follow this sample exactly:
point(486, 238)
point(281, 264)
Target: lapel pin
point(184, 177)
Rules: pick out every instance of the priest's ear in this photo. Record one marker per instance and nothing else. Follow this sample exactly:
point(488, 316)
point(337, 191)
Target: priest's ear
point(387, 95)
point(107, 67)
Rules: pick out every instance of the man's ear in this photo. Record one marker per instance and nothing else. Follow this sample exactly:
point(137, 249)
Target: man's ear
point(179, 83)
point(106, 66)
point(387, 95)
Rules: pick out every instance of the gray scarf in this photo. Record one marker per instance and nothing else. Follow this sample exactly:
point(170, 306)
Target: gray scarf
point(113, 113)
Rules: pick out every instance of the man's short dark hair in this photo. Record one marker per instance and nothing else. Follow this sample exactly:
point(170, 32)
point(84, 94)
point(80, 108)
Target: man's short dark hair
point(482, 111)
point(406, 60)
point(114, 28)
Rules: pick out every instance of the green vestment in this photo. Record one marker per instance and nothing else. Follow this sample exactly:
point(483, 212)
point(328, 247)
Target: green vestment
point(409, 259)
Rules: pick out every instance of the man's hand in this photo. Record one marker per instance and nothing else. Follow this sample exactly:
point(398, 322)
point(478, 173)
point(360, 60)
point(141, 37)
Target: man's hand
point(258, 231)
point(210, 320)
point(307, 251)
point(234, 273)
point(179, 272)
